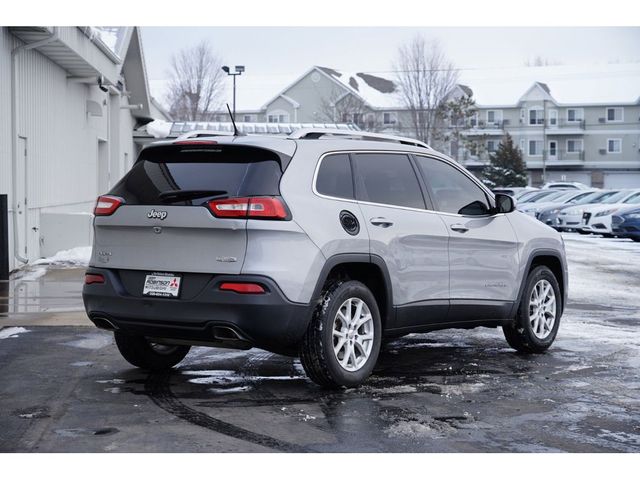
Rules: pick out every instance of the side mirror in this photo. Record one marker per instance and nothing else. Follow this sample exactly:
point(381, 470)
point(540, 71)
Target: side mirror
point(504, 203)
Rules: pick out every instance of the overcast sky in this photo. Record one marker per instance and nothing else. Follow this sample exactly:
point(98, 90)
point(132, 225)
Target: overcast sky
point(290, 51)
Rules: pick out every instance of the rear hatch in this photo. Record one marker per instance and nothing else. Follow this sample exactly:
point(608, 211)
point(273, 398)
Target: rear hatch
point(164, 222)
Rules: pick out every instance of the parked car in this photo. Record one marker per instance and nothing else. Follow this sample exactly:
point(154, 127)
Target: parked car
point(530, 197)
point(565, 185)
point(545, 210)
point(597, 218)
point(625, 223)
point(515, 192)
point(569, 217)
point(567, 196)
point(317, 245)
point(531, 203)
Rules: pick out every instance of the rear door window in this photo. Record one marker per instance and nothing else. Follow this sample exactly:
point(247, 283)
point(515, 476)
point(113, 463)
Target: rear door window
point(192, 175)
point(387, 179)
point(334, 177)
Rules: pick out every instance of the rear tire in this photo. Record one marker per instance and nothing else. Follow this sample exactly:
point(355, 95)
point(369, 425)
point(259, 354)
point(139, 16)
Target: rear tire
point(530, 332)
point(139, 352)
point(342, 342)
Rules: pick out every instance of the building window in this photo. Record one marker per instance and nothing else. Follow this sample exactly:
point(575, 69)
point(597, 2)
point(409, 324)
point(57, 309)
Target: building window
point(615, 114)
point(494, 117)
point(389, 118)
point(575, 114)
point(614, 145)
point(278, 117)
point(535, 148)
point(522, 144)
point(247, 118)
point(492, 145)
point(356, 118)
point(474, 119)
point(574, 146)
point(536, 116)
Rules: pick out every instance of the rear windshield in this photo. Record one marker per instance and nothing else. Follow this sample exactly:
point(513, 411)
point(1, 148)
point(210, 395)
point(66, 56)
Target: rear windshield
point(194, 174)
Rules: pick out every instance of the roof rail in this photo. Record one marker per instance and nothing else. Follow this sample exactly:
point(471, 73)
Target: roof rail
point(312, 133)
point(204, 133)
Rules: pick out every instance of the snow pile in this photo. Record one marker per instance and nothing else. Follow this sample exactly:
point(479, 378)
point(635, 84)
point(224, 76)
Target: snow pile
point(79, 256)
point(12, 332)
point(159, 128)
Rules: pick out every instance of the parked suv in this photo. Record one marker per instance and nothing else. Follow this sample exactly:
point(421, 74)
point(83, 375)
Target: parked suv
point(321, 244)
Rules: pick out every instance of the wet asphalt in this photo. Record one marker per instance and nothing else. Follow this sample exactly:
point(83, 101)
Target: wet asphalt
point(66, 389)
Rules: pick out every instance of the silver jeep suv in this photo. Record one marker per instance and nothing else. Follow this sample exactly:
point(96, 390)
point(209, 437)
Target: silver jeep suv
point(321, 244)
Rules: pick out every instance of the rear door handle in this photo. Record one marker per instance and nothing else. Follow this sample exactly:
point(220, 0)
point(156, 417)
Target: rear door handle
point(381, 222)
point(458, 227)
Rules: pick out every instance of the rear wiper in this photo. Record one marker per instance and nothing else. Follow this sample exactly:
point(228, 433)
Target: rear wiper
point(190, 194)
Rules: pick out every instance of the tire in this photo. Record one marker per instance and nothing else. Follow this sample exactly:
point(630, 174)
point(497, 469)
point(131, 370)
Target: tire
point(583, 232)
point(635, 239)
point(317, 355)
point(520, 334)
point(139, 352)
point(608, 235)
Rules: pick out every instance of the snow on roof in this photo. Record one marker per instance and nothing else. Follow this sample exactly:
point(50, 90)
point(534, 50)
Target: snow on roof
point(376, 91)
point(111, 37)
point(567, 84)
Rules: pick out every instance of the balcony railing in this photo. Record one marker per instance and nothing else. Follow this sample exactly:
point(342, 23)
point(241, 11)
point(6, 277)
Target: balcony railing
point(563, 155)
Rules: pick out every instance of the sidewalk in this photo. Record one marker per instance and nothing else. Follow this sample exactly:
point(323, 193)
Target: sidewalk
point(43, 295)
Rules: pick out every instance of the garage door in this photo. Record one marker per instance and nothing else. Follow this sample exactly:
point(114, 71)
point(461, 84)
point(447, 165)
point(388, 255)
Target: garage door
point(622, 180)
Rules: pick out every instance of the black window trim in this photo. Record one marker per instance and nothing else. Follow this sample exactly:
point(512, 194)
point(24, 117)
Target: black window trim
point(432, 205)
point(488, 194)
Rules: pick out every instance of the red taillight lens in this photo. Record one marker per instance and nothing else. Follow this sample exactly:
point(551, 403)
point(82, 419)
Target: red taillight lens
point(106, 205)
point(90, 278)
point(268, 208)
point(242, 287)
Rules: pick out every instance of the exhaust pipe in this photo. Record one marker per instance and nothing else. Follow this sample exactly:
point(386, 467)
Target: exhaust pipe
point(104, 323)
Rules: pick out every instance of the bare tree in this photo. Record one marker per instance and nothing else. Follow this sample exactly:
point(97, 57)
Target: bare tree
point(343, 107)
point(425, 79)
point(196, 84)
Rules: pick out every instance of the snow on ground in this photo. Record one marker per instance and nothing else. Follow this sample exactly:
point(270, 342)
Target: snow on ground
point(78, 256)
point(12, 332)
point(600, 269)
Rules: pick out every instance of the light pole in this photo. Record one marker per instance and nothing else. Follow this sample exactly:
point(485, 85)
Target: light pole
point(238, 70)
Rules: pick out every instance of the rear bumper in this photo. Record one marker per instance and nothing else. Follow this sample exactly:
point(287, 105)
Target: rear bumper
point(204, 316)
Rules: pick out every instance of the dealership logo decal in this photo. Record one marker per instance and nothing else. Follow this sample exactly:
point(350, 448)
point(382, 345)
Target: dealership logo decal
point(159, 214)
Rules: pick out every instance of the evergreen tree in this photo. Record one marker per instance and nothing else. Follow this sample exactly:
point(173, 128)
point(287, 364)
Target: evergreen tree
point(506, 167)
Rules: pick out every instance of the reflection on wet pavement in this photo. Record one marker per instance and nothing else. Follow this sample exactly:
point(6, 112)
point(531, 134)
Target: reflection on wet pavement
point(42, 289)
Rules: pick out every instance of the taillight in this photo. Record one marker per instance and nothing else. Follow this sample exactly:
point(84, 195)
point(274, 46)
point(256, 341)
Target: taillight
point(90, 278)
point(106, 205)
point(195, 142)
point(268, 208)
point(242, 287)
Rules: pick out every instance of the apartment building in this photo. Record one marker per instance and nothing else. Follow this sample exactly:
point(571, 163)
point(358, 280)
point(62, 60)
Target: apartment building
point(571, 123)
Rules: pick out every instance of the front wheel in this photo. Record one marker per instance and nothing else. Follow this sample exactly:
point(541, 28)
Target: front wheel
point(140, 352)
point(538, 317)
point(342, 342)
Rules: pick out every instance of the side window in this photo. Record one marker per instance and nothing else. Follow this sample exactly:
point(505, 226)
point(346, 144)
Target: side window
point(389, 179)
point(334, 177)
point(453, 191)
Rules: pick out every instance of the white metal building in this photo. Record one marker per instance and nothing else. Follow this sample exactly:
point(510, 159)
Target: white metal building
point(70, 100)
